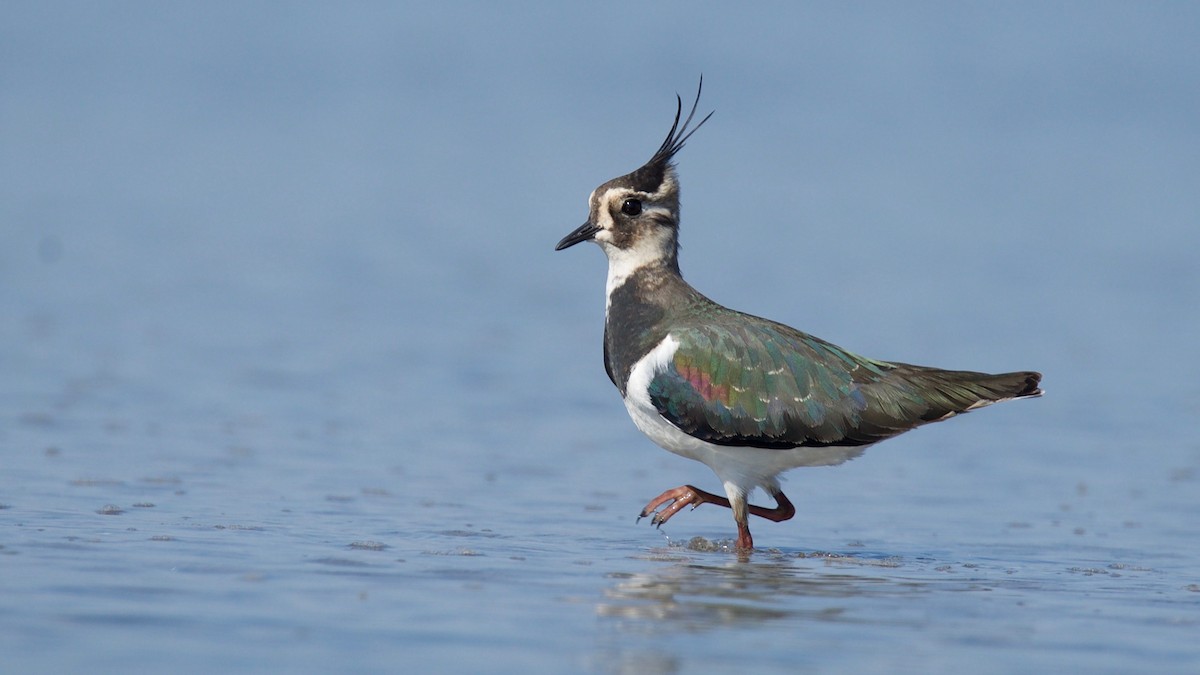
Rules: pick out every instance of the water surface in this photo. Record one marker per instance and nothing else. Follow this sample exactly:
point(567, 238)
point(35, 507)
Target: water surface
point(293, 380)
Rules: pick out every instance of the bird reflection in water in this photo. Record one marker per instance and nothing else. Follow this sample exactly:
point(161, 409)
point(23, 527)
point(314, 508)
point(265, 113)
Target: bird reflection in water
point(694, 595)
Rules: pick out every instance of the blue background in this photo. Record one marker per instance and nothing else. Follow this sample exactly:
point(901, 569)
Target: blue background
point(291, 378)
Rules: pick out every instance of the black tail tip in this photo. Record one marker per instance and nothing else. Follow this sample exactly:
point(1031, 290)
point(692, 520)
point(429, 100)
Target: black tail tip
point(1031, 388)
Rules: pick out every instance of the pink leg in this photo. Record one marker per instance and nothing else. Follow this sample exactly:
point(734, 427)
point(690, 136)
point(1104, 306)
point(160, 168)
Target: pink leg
point(679, 497)
point(690, 495)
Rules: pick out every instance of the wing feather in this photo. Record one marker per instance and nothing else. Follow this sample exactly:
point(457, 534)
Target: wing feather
point(763, 384)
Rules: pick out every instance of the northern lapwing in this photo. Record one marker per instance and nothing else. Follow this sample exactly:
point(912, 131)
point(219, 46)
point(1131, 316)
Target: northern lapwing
point(747, 396)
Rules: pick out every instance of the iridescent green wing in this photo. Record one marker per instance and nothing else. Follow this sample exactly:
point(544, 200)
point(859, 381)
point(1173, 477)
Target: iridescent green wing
point(763, 384)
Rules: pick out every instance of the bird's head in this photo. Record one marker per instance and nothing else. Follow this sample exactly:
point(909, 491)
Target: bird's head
point(636, 216)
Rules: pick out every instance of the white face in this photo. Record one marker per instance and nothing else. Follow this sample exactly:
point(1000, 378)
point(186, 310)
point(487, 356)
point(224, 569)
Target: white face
point(636, 228)
point(630, 219)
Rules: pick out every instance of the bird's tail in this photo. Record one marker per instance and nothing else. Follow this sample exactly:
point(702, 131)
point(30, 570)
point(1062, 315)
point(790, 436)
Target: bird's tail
point(945, 393)
point(1005, 386)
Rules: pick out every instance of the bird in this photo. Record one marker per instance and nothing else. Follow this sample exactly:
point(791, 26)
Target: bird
point(749, 397)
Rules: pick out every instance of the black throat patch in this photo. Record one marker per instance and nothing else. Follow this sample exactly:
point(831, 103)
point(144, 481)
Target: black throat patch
point(637, 320)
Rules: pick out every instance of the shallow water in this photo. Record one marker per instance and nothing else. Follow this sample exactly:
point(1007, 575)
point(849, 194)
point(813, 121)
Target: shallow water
point(292, 379)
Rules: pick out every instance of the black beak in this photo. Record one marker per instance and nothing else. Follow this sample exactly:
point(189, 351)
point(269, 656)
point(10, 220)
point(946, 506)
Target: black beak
point(585, 232)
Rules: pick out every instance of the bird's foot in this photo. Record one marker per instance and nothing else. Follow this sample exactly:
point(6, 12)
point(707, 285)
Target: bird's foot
point(745, 542)
point(679, 497)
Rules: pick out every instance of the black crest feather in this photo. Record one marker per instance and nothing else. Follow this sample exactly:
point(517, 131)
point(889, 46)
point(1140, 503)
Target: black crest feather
point(650, 176)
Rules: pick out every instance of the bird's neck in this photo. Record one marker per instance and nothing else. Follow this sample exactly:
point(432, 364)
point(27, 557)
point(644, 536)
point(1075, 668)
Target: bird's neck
point(653, 258)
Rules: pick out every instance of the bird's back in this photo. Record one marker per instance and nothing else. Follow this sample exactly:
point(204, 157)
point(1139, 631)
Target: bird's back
point(738, 379)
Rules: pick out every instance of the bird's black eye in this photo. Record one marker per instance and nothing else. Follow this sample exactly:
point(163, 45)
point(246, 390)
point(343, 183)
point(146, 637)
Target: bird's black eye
point(631, 207)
